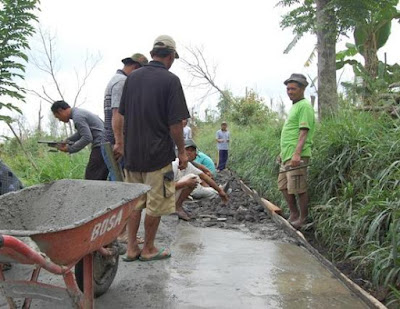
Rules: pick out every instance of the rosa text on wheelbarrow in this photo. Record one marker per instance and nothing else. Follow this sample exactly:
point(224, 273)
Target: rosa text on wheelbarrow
point(106, 225)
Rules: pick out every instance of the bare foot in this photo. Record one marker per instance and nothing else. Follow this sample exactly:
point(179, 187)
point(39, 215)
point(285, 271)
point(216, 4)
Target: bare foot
point(293, 217)
point(298, 223)
point(183, 215)
point(133, 250)
point(161, 254)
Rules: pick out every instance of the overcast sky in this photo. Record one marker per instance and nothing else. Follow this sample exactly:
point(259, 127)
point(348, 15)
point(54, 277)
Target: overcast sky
point(242, 38)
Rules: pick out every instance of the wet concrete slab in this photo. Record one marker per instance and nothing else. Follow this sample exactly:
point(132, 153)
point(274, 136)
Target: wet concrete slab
point(218, 268)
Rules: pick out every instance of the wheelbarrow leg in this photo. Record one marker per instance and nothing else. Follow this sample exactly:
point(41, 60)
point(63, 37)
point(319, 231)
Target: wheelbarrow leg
point(88, 281)
point(34, 278)
point(73, 290)
point(10, 301)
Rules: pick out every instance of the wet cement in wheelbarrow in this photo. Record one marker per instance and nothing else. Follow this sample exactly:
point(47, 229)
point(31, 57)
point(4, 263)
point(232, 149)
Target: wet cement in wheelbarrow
point(243, 262)
point(62, 203)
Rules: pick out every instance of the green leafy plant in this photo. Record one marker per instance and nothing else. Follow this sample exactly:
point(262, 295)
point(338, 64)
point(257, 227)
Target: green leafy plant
point(15, 29)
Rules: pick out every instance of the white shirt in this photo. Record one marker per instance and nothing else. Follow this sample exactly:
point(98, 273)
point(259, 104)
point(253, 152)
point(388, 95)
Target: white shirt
point(178, 174)
point(187, 133)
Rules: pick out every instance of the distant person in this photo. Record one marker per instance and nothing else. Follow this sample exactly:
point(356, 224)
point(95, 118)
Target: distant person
point(149, 121)
point(222, 138)
point(196, 156)
point(192, 177)
point(296, 141)
point(187, 131)
point(90, 130)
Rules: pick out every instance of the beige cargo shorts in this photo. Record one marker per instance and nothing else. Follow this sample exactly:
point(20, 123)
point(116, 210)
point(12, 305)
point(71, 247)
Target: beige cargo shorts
point(160, 200)
point(295, 182)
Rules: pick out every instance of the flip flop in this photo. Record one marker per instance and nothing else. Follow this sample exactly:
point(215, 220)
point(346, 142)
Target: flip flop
point(131, 259)
point(158, 256)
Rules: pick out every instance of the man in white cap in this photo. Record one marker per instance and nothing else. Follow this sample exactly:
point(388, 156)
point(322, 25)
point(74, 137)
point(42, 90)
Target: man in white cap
point(296, 141)
point(150, 116)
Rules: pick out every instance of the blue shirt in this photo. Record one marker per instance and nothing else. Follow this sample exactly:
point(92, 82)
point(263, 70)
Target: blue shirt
point(225, 136)
point(205, 160)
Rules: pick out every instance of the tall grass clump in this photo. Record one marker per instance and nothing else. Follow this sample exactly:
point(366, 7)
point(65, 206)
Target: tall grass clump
point(355, 182)
point(49, 166)
point(354, 187)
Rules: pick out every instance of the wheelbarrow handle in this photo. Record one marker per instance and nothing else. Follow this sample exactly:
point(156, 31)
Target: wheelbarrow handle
point(21, 249)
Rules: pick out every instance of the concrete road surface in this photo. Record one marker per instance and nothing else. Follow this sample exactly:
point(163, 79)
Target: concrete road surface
point(219, 268)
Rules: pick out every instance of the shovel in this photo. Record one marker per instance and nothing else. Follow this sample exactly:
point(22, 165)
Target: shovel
point(289, 168)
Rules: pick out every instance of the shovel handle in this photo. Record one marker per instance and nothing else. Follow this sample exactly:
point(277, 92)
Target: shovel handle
point(294, 168)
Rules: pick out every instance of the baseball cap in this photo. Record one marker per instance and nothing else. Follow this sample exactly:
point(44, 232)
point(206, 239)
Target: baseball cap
point(139, 58)
point(190, 143)
point(167, 42)
point(296, 77)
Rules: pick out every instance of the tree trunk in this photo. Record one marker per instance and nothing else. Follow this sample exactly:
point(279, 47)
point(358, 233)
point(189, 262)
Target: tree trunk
point(326, 45)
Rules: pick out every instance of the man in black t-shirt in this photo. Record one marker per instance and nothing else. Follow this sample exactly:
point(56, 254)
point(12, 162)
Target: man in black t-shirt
point(148, 124)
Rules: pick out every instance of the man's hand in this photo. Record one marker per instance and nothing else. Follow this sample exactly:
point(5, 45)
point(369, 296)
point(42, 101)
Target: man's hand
point(295, 160)
point(183, 160)
point(62, 147)
point(224, 196)
point(118, 151)
point(191, 183)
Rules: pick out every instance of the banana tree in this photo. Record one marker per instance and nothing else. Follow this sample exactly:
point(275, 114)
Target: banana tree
point(372, 34)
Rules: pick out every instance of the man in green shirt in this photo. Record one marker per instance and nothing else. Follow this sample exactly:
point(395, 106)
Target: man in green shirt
point(296, 141)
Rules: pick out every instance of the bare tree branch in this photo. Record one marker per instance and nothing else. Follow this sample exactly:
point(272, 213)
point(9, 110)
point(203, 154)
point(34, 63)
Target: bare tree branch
point(89, 67)
point(28, 155)
point(47, 63)
point(202, 74)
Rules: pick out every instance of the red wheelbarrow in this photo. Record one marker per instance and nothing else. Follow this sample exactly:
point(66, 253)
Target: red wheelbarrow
point(73, 224)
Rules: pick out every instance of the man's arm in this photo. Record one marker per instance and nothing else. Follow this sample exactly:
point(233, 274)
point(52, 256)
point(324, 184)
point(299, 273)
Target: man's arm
point(219, 140)
point(176, 131)
point(117, 125)
point(188, 183)
point(74, 137)
point(85, 134)
point(204, 169)
point(213, 184)
point(299, 148)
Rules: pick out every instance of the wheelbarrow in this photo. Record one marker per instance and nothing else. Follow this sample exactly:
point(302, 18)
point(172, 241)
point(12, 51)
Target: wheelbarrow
point(72, 223)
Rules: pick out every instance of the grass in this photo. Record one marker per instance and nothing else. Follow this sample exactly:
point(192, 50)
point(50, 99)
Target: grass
point(50, 165)
point(354, 186)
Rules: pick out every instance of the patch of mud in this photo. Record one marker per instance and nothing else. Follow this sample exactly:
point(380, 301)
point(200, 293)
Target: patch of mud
point(62, 203)
point(241, 212)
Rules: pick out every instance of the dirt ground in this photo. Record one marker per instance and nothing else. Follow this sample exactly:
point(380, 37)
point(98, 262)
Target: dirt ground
point(241, 212)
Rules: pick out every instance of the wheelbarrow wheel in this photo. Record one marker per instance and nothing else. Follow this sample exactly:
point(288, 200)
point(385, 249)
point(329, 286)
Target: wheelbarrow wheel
point(104, 271)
